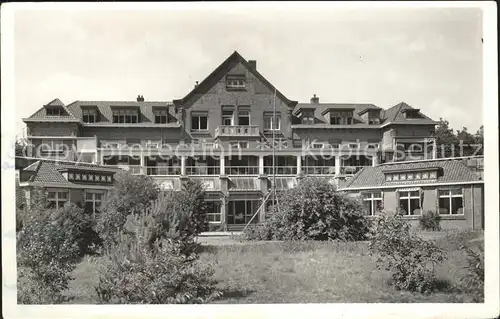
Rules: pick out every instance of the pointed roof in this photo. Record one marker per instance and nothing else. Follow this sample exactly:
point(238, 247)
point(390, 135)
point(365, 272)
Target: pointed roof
point(41, 114)
point(221, 70)
point(395, 115)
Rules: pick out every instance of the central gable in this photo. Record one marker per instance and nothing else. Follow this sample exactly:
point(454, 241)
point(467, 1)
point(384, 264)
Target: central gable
point(236, 75)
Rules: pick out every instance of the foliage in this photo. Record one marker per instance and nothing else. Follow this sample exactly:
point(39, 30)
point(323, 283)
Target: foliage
point(49, 245)
point(409, 258)
point(312, 210)
point(140, 271)
point(131, 194)
point(461, 143)
point(430, 221)
point(473, 281)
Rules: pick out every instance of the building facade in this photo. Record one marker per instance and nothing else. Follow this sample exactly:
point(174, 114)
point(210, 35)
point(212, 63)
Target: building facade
point(237, 133)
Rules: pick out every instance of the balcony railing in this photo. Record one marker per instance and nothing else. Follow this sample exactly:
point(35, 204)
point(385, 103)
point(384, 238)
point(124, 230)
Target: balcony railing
point(237, 130)
point(133, 169)
point(163, 170)
point(202, 170)
point(242, 170)
point(318, 170)
point(350, 170)
point(280, 170)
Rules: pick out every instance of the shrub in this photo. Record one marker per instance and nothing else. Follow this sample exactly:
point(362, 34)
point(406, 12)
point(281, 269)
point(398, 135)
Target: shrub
point(312, 210)
point(430, 221)
point(409, 258)
point(130, 194)
point(473, 281)
point(138, 271)
point(48, 247)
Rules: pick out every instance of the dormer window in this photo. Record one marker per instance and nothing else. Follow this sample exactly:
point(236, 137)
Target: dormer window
point(411, 113)
point(307, 117)
point(55, 111)
point(125, 116)
point(235, 82)
point(341, 118)
point(89, 116)
point(161, 116)
point(374, 117)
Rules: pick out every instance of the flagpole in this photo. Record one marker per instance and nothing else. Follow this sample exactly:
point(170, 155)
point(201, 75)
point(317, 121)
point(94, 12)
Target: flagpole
point(274, 149)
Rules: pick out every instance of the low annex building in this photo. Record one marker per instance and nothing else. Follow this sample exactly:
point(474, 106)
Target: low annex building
point(448, 186)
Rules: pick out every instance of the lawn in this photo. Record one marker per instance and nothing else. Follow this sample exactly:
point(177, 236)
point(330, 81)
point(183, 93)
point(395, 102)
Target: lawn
point(303, 272)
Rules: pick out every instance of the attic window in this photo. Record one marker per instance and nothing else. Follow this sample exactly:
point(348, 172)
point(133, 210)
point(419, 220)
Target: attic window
point(89, 116)
point(374, 117)
point(411, 114)
point(307, 117)
point(161, 116)
point(235, 81)
point(54, 111)
point(341, 118)
point(125, 116)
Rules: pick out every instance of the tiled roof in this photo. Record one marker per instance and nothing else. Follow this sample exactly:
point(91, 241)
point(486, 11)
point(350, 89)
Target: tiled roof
point(452, 171)
point(105, 114)
point(395, 114)
point(42, 112)
point(221, 70)
point(47, 171)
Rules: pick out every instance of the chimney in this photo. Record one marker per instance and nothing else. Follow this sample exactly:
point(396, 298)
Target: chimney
point(140, 98)
point(253, 64)
point(314, 99)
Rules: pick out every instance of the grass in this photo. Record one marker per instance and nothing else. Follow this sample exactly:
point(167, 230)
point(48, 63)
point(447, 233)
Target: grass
point(304, 272)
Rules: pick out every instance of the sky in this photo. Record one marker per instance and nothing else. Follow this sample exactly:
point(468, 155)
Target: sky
point(430, 58)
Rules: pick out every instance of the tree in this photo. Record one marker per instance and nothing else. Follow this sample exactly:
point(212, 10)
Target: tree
point(446, 140)
point(466, 143)
point(479, 139)
point(131, 194)
point(312, 210)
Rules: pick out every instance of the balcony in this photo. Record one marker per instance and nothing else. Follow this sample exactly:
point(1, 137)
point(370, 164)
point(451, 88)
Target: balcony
point(280, 170)
point(350, 170)
point(163, 170)
point(237, 130)
point(318, 170)
point(202, 170)
point(242, 170)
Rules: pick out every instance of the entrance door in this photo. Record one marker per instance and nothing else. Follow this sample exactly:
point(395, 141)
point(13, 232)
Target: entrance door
point(241, 211)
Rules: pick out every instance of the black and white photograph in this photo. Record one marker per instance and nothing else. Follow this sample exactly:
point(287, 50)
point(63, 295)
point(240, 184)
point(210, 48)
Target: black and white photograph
point(294, 159)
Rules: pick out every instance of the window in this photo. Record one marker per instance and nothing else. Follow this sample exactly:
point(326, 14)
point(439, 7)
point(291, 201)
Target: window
point(213, 212)
point(270, 123)
point(238, 144)
point(353, 145)
point(199, 122)
point(54, 111)
point(93, 201)
point(161, 116)
point(373, 145)
point(451, 202)
point(372, 202)
point(409, 202)
point(52, 147)
point(57, 198)
point(243, 117)
point(152, 144)
point(411, 114)
point(242, 211)
point(341, 118)
point(235, 82)
point(227, 118)
point(89, 116)
point(317, 145)
point(125, 116)
point(308, 117)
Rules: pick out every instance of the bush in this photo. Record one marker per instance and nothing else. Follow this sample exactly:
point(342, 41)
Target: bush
point(131, 194)
point(409, 258)
point(430, 221)
point(138, 271)
point(49, 245)
point(473, 281)
point(312, 210)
